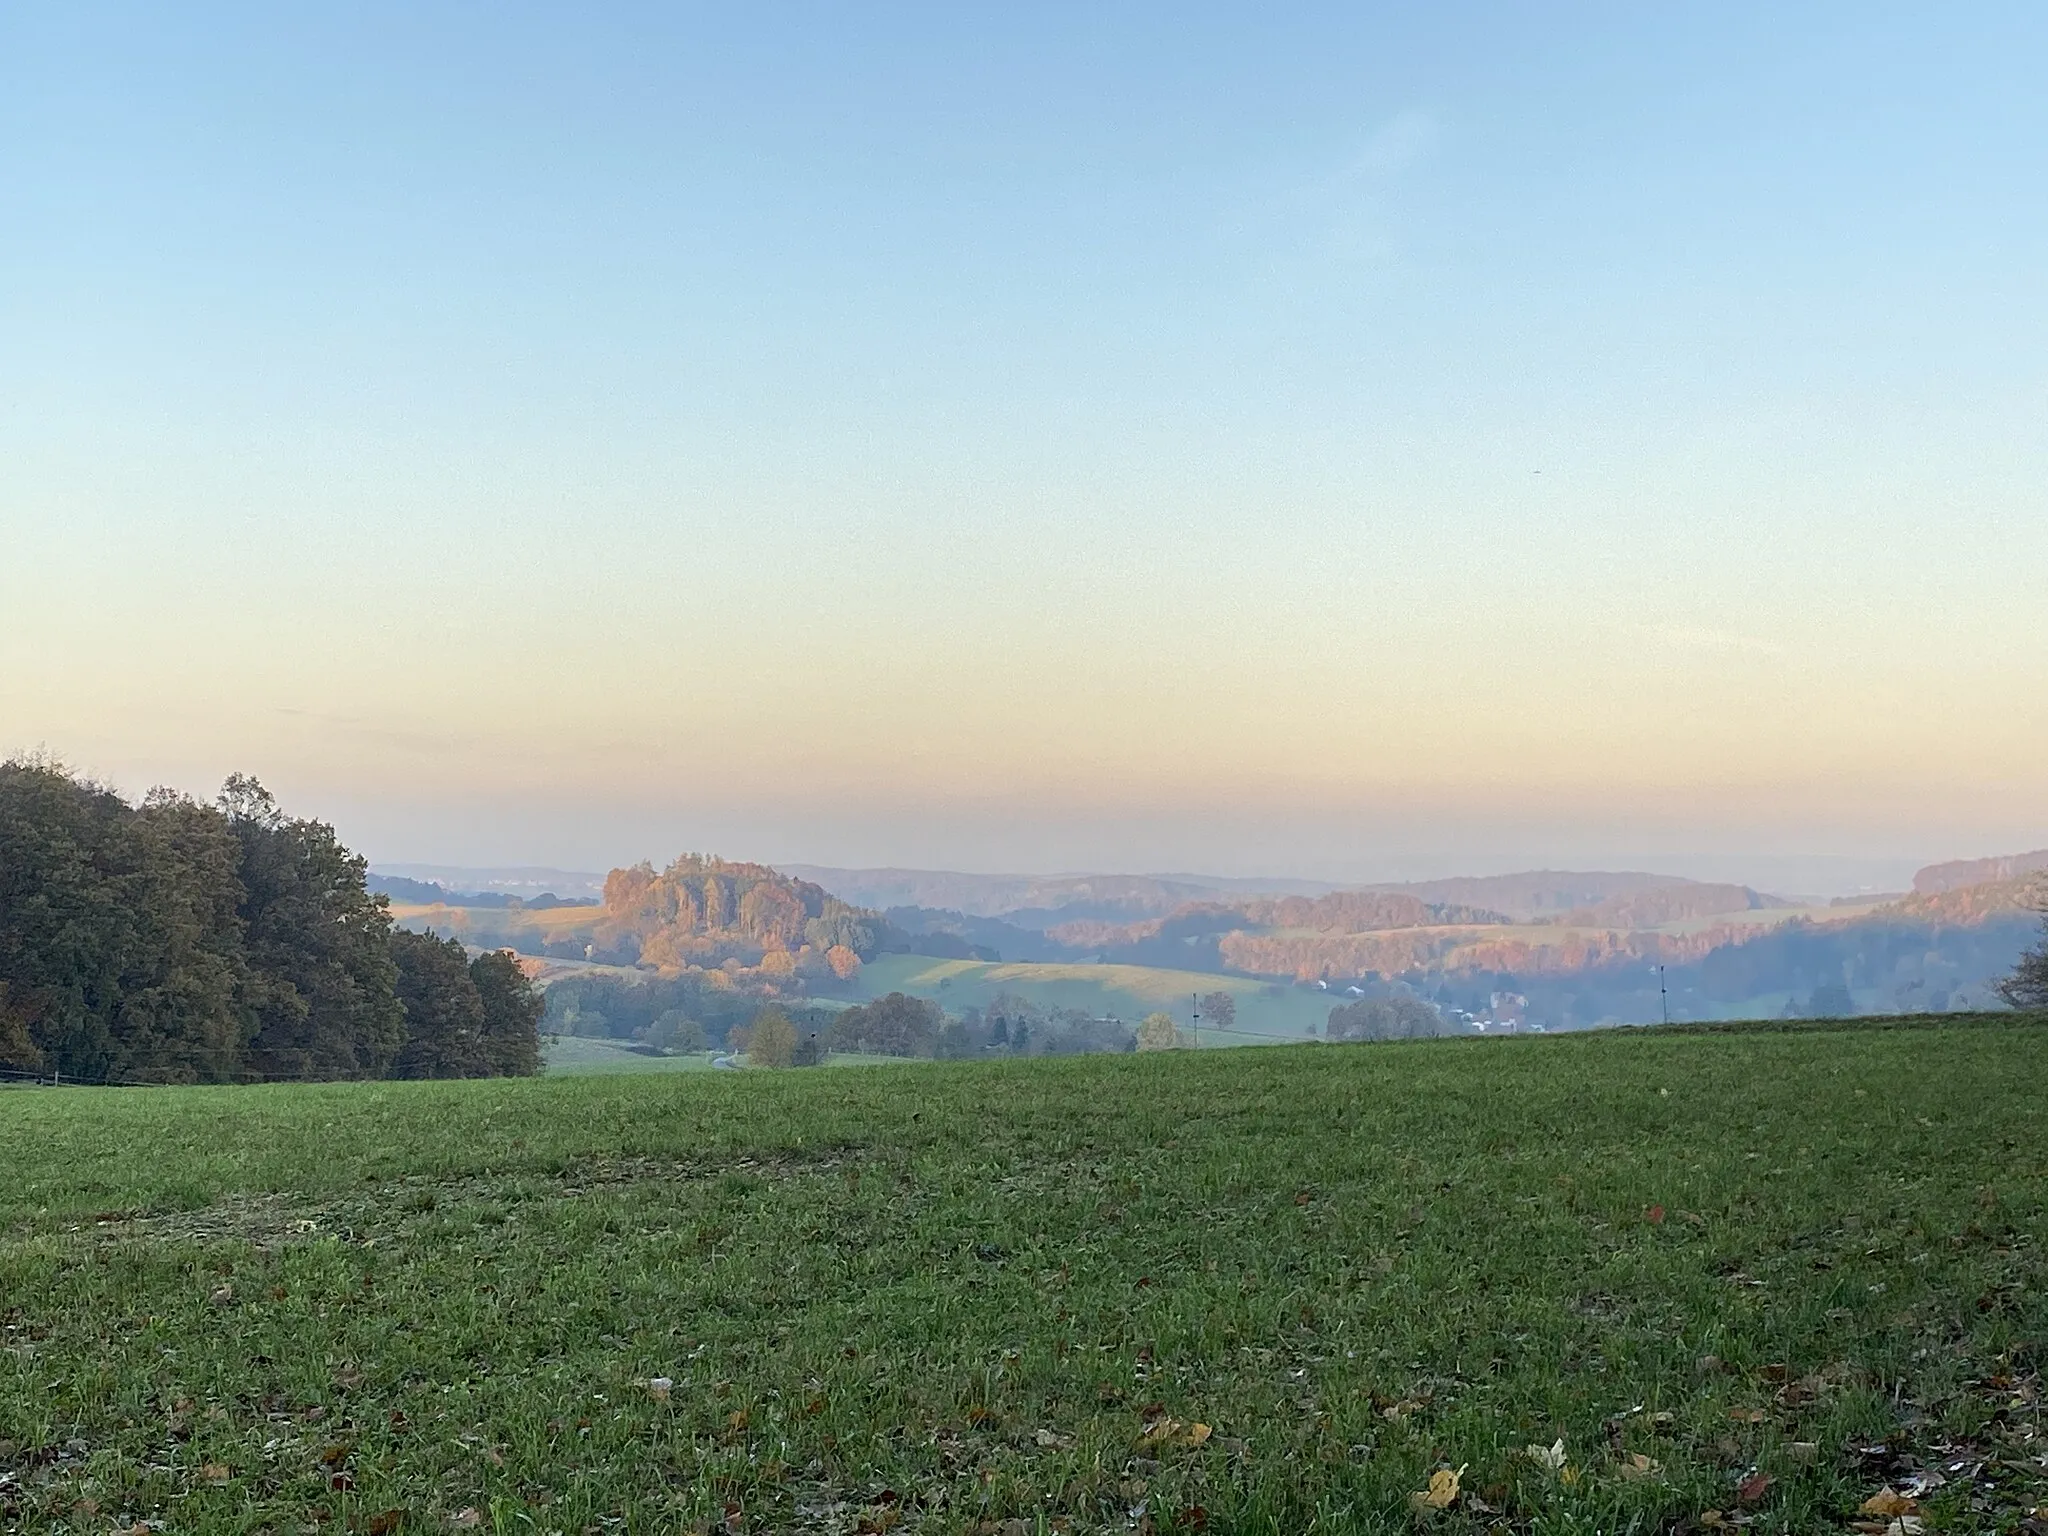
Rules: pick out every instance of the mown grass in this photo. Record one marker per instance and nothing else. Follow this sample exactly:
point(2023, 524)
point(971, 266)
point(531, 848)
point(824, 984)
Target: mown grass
point(1779, 1268)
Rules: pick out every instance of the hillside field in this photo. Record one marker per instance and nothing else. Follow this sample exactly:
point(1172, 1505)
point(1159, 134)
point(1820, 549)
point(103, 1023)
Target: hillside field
point(575, 1056)
point(1128, 992)
point(1735, 1278)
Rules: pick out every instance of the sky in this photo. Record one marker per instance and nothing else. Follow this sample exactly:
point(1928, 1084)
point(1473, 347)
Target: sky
point(1362, 442)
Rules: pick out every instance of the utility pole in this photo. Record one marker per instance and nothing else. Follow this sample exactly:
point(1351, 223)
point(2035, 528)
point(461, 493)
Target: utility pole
point(1198, 1018)
point(1663, 997)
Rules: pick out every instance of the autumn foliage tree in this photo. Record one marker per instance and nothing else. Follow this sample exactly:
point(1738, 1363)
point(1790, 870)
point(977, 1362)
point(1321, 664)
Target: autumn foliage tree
point(1156, 1032)
point(771, 1039)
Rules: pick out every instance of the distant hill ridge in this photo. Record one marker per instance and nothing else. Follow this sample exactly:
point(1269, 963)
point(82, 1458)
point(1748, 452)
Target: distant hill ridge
point(1957, 873)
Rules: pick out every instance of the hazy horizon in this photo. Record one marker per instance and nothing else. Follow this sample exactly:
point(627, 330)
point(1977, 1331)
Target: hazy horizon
point(1342, 445)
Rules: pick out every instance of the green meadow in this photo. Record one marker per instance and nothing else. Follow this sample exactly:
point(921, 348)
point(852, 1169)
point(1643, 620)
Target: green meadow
point(1129, 992)
point(1710, 1280)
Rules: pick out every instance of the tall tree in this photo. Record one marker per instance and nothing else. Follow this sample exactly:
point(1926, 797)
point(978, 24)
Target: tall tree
point(444, 1014)
point(66, 934)
point(321, 974)
point(2027, 986)
point(1219, 1009)
point(771, 1039)
point(512, 1007)
point(184, 1018)
point(1156, 1032)
point(120, 946)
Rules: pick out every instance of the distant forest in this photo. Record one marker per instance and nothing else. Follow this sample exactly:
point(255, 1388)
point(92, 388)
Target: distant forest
point(181, 942)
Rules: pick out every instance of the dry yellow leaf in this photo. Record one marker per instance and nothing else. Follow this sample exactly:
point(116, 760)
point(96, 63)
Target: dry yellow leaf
point(1197, 1433)
point(1888, 1503)
point(1442, 1491)
point(1637, 1467)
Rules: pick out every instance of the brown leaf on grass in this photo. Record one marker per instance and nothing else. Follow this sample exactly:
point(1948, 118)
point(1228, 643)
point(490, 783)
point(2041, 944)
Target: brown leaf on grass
point(1638, 1468)
point(1888, 1503)
point(659, 1387)
point(385, 1522)
point(1752, 1488)
point(334, 1455)
point(1193, 1518)
point(1746, 1415)
point(467, 1518)
point(1654, 1215)
point(214, 1472)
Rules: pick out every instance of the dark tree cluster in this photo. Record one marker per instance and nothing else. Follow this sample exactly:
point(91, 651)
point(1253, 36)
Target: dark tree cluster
point(175, 941)
point(1384, 1018)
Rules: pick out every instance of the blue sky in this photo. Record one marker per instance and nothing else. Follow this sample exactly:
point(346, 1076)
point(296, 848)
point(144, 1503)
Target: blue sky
point(1160, 438)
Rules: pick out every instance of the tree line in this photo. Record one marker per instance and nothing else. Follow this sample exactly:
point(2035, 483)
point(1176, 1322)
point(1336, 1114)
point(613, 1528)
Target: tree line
point(174, 941)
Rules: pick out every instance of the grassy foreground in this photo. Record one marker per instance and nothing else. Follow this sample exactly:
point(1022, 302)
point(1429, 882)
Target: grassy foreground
point(1746, 1279)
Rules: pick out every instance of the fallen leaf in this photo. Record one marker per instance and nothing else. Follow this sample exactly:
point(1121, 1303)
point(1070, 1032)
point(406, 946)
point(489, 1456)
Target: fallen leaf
point(1753, 1487)
point(1193, 1518)
point(214, 1472)
point(334, 1455)
point(385, 1522)
point(1654, 1215)
point(1637, 1467)
point(1047, 1438)
point(1887, 1503)
point(1746, 1415)
point(1196, 1434)
point(1442, 1491)
point(221, 1295)
point(659, 1387)
point(1550, 1457)
point(1804, 1452)
point(467, 1519)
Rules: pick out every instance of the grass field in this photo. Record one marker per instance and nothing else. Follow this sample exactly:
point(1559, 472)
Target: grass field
point(1128, 992)
point(1746, 1279)
point(574, 1056)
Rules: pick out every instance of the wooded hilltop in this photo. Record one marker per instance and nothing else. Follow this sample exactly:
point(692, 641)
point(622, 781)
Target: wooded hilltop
point(180, 942)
